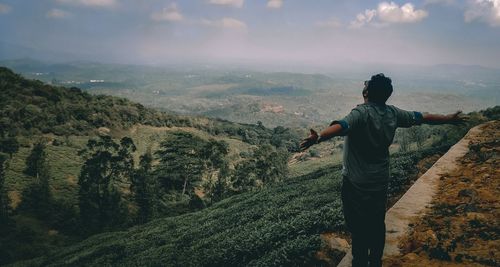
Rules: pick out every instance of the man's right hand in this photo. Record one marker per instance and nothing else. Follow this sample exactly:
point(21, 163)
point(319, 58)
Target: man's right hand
point(309, 141)
point(458, 118)
point(454, 118)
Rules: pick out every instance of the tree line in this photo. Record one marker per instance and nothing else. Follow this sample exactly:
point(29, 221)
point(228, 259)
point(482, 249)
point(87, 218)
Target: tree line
point(115, 191)
point(31, 108)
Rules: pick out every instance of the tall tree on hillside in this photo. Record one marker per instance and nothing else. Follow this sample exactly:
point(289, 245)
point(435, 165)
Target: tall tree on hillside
point(4, 198)
point(8, 146)
point(403, 139)
point(36, 160)
point(244, 177)
point(270, 163)
point(266, 165)
point(107, 167)
point(214, 154)
point(418, 135)
point(181, 163)
point(144, 186)
point(37, 197)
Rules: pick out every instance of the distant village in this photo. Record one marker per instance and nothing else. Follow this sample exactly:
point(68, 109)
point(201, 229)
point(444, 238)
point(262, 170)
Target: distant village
point(55, 81)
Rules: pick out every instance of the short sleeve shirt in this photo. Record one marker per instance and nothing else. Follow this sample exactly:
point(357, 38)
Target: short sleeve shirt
point(369, 131)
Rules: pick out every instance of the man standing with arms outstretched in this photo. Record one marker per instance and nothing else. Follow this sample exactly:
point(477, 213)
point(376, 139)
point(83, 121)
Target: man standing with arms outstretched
point(369, 131)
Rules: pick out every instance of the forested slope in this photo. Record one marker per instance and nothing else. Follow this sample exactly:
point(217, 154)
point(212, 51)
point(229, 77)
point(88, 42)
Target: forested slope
point(52, 137)
point(30, 107)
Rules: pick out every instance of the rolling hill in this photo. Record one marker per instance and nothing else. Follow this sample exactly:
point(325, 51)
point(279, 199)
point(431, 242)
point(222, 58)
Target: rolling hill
point(272, 225)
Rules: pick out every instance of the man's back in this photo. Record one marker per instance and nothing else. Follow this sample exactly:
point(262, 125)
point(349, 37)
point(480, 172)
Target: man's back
point(371, 129)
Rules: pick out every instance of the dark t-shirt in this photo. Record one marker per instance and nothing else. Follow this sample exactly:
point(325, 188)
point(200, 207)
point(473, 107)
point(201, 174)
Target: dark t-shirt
point(369, 131)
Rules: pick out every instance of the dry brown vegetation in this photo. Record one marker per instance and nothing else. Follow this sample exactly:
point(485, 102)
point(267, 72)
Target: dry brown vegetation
point(462, 227)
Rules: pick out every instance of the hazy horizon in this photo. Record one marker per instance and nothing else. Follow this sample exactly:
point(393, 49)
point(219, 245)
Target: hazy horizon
point(323, 34)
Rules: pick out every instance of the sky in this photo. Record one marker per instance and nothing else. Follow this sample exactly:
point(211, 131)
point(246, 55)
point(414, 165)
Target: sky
point(295, 32)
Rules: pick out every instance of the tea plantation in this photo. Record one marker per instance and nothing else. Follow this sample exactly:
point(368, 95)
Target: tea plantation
point(275, 226)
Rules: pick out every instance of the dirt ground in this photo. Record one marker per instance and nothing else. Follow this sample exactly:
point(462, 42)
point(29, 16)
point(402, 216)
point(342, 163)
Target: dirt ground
point(462, 226)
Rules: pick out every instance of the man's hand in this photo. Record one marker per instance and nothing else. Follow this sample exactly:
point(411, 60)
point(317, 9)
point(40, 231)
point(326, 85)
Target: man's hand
point(457, 118)
point(309, 141)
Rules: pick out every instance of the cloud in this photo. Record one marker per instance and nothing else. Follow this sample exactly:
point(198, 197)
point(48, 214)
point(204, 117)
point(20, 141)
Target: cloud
point(90, 3)
point(274, 4)
point(487, 11)
point(234, 3)
point(390, 13)
point(4, 9)
point(445, 2)
point(171, 13)
point(227, 23)
point(57, 14)
point(363, 18)
point(330, 23)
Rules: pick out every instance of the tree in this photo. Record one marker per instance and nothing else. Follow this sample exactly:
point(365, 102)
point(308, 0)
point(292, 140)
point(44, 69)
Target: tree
point(270, 163)
point(9, 145)
point(4, 198)
point(144, 186)
point(403, 139)
point(107, 166)
point(36, 160)
point(417, 134)
point(214, 154)
point(37, 197)
point(244, 177)
point(266, 165)
point(181, 163)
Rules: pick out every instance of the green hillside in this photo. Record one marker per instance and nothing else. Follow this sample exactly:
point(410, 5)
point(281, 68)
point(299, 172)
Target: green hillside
point(67, 120)
point(177, 190)
point(275, 226)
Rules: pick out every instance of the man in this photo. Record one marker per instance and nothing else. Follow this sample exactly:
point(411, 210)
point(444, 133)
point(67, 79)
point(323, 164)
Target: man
point(369, 131)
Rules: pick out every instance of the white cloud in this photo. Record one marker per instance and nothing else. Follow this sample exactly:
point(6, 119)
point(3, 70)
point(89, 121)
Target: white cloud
point(487, 11)
point(57, 14)
point(330, 23)
point(227, 23)
point(445, 2)
point(274, 4)
point(90, 3)
point(4, 9)
point(171, 13)
point(390, 13)
point(234, 3)
point(363, 18)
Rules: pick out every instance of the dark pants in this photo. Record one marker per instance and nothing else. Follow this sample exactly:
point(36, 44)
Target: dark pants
point(364, 213)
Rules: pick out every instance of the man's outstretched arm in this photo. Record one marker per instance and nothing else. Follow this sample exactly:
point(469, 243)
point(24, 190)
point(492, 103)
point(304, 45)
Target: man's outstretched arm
point(455, 118)
point(315, 138)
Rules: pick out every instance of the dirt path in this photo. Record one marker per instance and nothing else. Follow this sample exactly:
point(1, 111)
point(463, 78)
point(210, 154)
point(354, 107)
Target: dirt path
point(421, 199)
point(462, 226)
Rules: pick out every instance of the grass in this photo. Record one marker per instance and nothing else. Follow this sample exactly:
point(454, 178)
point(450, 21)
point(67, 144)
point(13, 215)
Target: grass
point(276, 226)
point(279, 225)
point(64, 165)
